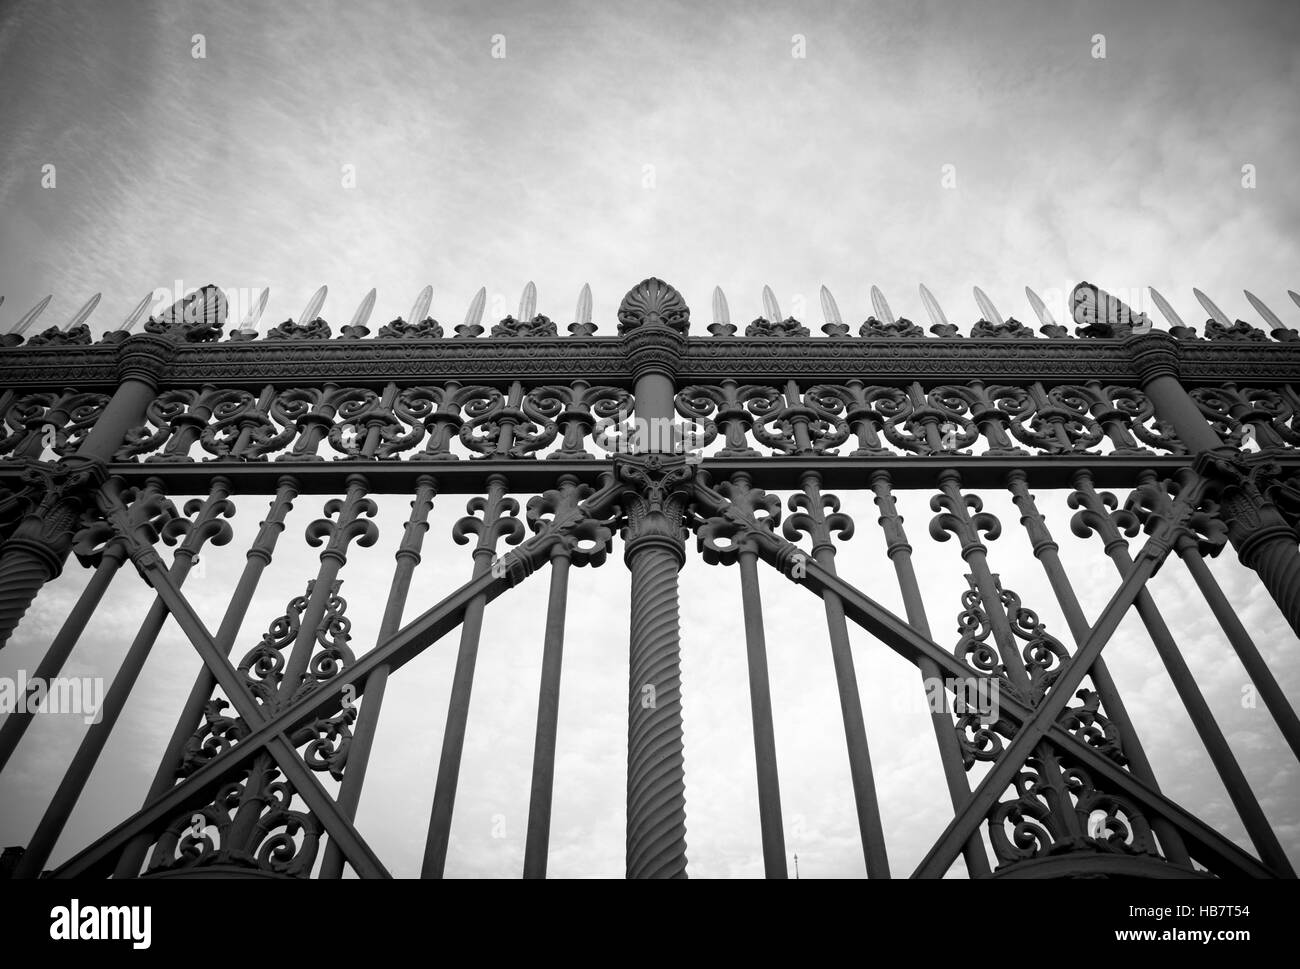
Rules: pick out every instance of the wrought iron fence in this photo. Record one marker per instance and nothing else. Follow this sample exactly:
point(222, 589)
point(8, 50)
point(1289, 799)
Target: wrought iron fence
point(651, 435)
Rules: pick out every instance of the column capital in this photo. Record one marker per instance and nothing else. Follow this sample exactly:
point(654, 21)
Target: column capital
point(1154, 354)
point(144, 357)
point(53, 501)
point(654, 350)
point(657, 491)
point(1249, 487)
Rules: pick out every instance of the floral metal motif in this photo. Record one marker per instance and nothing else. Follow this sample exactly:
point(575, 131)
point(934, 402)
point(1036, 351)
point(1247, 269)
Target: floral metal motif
point(762, 327)
point(317, 329)
point(427, 329)
point(537, 326)
point(56, 337)
point(902, 327)
point(1240, 331)
point(1010, 329)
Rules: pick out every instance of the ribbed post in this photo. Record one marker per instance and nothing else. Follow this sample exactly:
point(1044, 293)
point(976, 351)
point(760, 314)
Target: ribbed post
point(59, 493)
point(1264, 540)
point(653, 320)
point(656, 772)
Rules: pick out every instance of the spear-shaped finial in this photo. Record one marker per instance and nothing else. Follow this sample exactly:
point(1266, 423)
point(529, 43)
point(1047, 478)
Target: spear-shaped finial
point(30, 317)
point(366, 307)
point(1215, 313)
point(82, 314)
point(582, 325)
point(1162, 304)
point(834, 326)
point(247, 329)
point(987, 310)
point(474, 315)
point(830, 310)
point(420, 308)
point(528, 303)
point(136, 314)
point(721, 312)
point(880, 307)
point(1044, 315)
point(1272, 319)
point(1047, 322)
point(721, 325)
point(771, 311)
point(313, 307)
point(932, 308)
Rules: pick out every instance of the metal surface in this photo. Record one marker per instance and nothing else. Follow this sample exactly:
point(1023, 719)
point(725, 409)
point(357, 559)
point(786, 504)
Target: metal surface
point(655, 436)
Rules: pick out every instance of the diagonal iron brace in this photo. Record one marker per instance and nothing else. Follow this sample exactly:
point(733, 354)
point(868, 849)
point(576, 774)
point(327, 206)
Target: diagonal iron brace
point(327, 699)
point(904, 639)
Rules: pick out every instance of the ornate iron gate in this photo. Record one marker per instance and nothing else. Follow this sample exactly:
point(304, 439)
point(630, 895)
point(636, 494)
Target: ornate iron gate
point(652, 435)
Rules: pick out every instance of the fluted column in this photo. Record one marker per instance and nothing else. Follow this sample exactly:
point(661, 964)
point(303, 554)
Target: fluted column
point(653, 320)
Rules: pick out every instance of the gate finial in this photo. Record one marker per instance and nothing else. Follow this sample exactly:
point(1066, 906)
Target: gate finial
point(652, 302)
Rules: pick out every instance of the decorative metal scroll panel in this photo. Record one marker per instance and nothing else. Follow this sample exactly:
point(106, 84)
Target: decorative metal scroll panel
point(644, 439)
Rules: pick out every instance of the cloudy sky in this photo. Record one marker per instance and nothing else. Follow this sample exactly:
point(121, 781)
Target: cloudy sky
point(384, 145)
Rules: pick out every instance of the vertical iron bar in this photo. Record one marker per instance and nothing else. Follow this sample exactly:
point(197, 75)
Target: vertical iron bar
point(65, 640)
point(1274, 699)
point(1216, 745)
point(332, 559)
point(453, 738)
point(870, 829)
point(363, 736)
point(760, 701)
point(954, 771)
point(83, 763)
point(538, 839)
point(258, 558)
point(1045, 550)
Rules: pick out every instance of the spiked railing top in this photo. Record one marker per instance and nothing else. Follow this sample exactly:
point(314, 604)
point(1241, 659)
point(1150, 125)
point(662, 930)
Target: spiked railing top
point(1096, 313)
point(886, 345)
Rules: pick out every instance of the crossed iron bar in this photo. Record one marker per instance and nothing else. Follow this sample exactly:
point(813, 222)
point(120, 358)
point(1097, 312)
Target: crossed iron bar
point(271, 733)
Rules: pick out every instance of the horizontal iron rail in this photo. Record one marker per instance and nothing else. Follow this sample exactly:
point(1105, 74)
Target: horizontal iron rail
point(310, 362)
point(778, 472)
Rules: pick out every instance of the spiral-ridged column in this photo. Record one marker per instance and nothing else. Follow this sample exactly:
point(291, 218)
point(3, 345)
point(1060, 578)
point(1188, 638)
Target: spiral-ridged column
point(1270, 549)
point(1261, 535)
point(656, 769)
point(58, 493)
point(24, 568)
point(653, 320)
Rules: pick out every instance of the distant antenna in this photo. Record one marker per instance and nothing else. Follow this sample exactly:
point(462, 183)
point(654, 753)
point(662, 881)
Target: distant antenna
point(796, 866)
